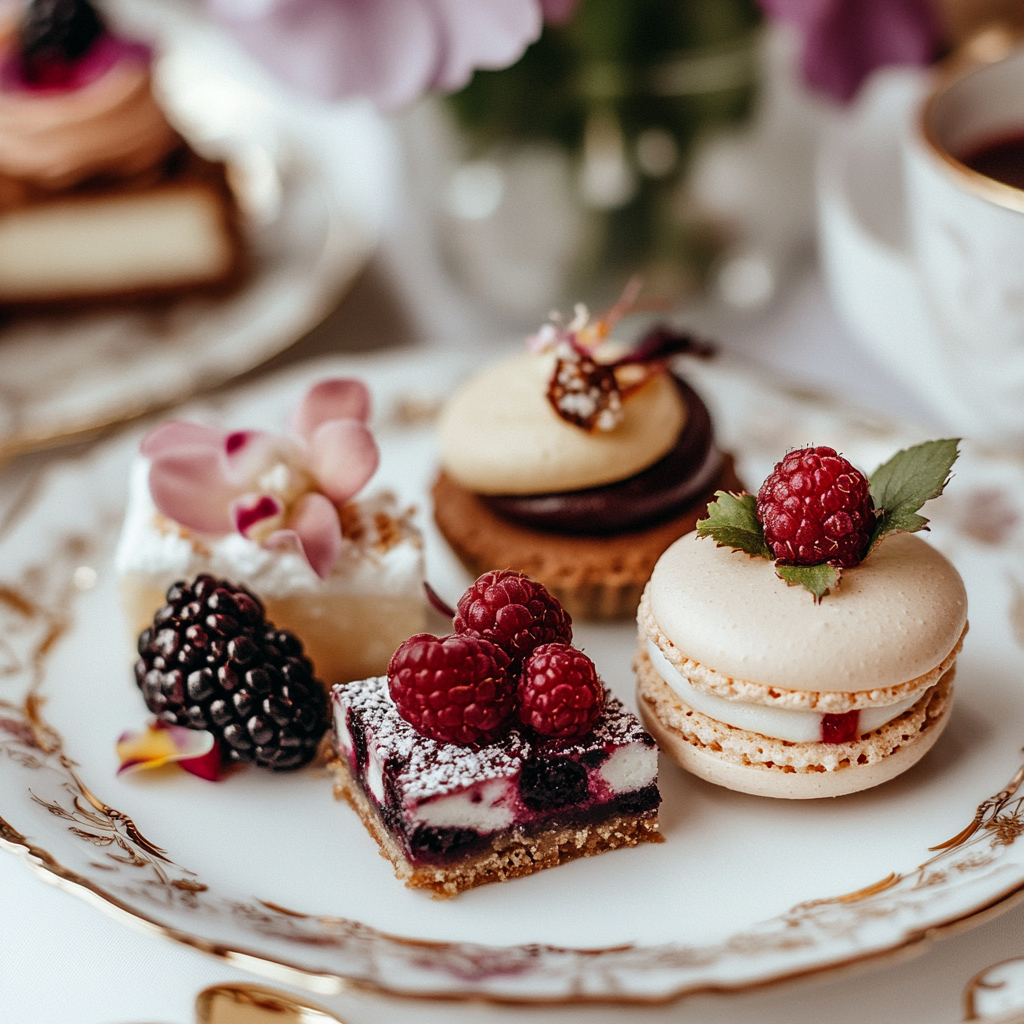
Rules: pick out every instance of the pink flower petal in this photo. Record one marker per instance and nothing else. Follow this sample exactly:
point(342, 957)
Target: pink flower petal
point(207, 766)
point(558, 12)
point(845, 40)
point(159, 744)
point(386, 51)
point(314, 526)
point(859, 36)
point(179, 434)
point(482, 34)
point(336, 399)
point(188, 486)
point(247, 453)
point(390, 52)
point(342, 456)
point(252, 509)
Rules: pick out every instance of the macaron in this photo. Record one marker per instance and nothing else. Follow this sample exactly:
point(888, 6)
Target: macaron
point(753, 685)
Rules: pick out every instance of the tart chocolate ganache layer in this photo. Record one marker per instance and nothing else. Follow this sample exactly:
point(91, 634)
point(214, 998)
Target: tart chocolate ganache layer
point(644, 499)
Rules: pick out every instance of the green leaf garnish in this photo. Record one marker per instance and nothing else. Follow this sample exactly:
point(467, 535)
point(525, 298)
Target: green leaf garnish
point(818, 579)
point(733, 523)
point(902, 485)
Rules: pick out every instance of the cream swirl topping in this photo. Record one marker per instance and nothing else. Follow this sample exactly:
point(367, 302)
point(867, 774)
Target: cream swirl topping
point(499, 434)
point(112, 125)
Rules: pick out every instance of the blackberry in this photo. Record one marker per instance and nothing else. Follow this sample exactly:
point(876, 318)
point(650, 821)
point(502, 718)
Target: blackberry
point(54, 34)
point(549, 782)
point(212, 661)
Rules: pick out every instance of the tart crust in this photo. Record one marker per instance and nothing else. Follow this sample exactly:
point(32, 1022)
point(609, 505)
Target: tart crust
point(593, 577)
point(512, 854)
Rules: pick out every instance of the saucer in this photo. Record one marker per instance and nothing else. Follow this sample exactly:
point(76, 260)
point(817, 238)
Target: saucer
point(864, 242)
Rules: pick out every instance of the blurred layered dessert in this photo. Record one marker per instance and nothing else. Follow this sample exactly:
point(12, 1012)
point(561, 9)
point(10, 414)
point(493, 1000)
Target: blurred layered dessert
point(100, 198)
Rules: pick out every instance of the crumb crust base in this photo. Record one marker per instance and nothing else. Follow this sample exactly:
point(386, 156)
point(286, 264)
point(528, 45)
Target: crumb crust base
point(595, 578)
point(512, 855)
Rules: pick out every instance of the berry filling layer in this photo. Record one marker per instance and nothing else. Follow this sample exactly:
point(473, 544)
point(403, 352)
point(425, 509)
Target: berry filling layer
point(441, 802)
point(777, 723)
point(650, 496)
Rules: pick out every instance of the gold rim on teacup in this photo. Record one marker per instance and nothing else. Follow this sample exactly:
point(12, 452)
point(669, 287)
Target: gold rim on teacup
point(991, 47)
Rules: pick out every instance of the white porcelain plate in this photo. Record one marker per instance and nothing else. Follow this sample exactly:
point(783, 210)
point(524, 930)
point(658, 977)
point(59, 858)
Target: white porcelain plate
point(312, 194)
point(272, 873)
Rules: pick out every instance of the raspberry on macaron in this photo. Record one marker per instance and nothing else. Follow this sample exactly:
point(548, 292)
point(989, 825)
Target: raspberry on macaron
point(816, 507)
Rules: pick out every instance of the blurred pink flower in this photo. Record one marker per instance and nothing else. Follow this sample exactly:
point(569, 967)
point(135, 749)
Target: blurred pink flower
point(391, 51)
point(845, 40)
point(279, 492)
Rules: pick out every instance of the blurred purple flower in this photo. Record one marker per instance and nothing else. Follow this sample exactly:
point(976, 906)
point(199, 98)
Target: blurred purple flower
point(845, 40)
point(391, 51)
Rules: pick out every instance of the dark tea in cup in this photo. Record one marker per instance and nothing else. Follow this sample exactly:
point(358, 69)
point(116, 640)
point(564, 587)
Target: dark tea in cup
point(1001, 159)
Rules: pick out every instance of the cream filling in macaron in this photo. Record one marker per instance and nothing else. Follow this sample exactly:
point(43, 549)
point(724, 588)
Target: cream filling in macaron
point(498, 434)
point(776, 723)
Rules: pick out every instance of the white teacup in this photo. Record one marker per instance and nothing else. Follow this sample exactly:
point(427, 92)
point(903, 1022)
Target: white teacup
point(967, 237)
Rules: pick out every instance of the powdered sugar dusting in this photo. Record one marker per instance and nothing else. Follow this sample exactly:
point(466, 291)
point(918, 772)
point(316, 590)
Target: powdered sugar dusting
point(422, 768)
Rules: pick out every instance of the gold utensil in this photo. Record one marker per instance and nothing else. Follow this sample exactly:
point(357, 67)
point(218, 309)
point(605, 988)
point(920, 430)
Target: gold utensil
point(257, 1004)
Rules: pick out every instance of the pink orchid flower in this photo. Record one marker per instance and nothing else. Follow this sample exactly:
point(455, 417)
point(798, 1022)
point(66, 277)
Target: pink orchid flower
point(845, 40)
point(390, 51)
point(281, 492)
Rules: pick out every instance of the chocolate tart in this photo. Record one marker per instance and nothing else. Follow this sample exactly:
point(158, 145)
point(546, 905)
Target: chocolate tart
point(596, 575)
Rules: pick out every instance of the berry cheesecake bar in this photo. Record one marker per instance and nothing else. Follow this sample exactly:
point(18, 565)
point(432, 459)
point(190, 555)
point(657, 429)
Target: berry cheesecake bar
point(480, 760)
point(451, 817)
